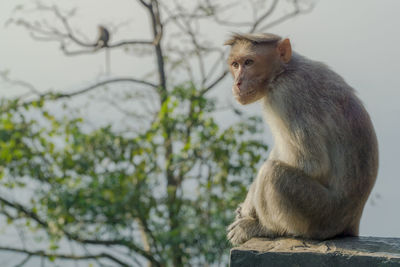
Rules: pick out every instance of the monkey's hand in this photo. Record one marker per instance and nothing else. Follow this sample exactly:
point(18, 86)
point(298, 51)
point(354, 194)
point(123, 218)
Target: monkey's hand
point(238, 212)
point(243, 229)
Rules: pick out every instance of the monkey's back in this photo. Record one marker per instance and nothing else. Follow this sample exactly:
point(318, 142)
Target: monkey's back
point(321, 128)
point(321, 112)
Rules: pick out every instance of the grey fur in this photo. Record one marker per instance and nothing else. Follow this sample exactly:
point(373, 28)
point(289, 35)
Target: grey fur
point(323, 166)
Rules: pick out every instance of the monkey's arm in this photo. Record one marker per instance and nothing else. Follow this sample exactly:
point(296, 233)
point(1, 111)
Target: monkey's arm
point(306, 146)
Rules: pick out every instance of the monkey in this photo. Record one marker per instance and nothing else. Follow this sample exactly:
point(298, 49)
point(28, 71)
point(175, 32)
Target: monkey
point(323, 166)
point(104, 37)
point(102, 42)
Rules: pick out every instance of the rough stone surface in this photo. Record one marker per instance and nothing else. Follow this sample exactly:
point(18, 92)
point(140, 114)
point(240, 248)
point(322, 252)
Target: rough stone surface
point(348, 251)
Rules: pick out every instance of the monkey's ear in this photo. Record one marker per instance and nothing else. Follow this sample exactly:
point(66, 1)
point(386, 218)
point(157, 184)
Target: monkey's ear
point(285, 50)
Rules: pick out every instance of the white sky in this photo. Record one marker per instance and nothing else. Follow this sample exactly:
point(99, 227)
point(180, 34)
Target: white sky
point(359, 39)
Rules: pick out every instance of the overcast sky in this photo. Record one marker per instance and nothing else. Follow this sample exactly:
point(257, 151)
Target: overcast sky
point(359, 39)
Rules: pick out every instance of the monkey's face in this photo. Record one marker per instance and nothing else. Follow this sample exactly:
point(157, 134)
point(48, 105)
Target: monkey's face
point(252, 67)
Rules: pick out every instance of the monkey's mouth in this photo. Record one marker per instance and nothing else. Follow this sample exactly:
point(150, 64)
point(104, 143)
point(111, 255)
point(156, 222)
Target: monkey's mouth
point(243, 93)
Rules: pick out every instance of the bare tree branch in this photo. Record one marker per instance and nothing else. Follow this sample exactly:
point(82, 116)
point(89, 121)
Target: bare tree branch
point(68, 28)
point(53, 96)
point(185, 26)
point(94, 86)
point(157, 28)
point(46, 32)
point(25, 260)
point(5, 77)
point(216, 10)
point(42, 253)
point(264, 16)
point(214, 83)
point(148, 5)
point(218, 62)
point(96, 48)
point(297, 11)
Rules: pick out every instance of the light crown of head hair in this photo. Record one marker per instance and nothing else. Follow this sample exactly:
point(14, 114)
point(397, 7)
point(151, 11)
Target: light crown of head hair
point(255, 38)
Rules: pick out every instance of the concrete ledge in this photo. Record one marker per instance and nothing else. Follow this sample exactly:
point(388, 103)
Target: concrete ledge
point(349, 251)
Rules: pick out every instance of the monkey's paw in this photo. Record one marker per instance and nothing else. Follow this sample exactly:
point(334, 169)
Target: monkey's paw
point(242, 230)
point(239, 212)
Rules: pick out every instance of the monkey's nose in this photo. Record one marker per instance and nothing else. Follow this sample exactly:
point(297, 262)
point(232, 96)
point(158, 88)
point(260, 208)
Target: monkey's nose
point(238, 84)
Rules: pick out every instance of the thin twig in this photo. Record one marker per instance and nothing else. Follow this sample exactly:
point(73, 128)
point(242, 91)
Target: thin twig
point(25, 260)
point(264, 16)
point(288, 16)
point(214, 83)
point(94, 86)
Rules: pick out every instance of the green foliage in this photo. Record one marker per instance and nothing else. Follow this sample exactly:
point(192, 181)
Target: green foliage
point(178, 182)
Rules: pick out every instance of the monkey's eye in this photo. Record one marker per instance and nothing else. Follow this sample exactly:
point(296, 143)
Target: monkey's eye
point(235, 65)
point(248, 62)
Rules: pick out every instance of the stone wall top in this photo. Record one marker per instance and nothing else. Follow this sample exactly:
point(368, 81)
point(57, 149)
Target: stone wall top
point(348, 251)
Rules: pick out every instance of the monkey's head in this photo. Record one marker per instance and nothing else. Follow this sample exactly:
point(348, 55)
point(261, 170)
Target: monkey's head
point(254, 60)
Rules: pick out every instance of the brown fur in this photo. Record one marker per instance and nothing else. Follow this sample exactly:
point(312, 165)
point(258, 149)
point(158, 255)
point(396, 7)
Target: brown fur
point(325, 159)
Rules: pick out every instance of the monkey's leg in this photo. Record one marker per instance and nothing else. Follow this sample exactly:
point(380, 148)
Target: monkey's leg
point(246, 209)
point(288, 202)
point(246, 224)
point(245, 228)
